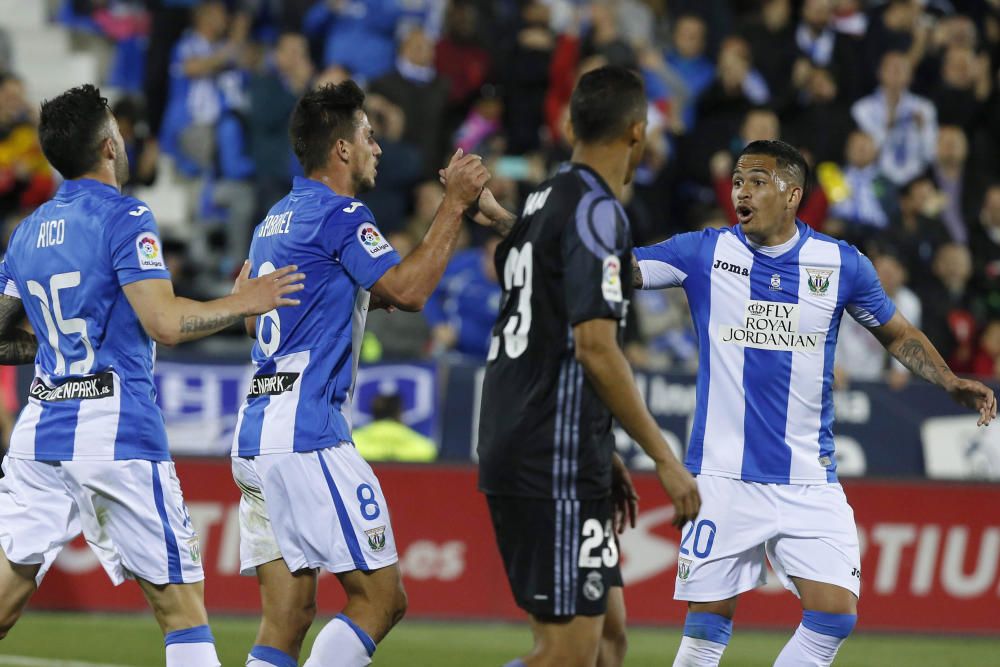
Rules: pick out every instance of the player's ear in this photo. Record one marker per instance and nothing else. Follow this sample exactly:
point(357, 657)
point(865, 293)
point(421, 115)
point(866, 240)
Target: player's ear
point(636, 132)
point(342, 149)
point(795, 196)
point(109, 151)
point(568, 130)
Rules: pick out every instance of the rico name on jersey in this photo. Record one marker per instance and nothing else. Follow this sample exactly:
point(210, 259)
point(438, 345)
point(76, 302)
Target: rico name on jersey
point(93, 396)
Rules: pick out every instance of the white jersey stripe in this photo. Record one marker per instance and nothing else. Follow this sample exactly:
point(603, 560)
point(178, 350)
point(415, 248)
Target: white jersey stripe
point(805, 396)
point(97, 426)
point(724, 421)
point(279, 415)
point(358, 318)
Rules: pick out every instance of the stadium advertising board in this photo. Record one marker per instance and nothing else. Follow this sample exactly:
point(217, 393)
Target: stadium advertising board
point(910, 432)
point(200, 401)
point(930, 555)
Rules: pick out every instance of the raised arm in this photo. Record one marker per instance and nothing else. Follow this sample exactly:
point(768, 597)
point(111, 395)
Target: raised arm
point(410, 283)
point(911, 347)
point(486, 210)
point(170, 319)
point(17, 346)
point(607, 369)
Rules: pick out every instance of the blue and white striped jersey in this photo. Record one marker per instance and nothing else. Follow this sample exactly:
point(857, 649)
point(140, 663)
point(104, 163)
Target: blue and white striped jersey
point(767, 330)
point(93, 396)
point(306, 356)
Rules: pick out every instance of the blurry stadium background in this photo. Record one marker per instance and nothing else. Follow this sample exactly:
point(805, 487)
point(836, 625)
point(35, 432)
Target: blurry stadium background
point(895, 104)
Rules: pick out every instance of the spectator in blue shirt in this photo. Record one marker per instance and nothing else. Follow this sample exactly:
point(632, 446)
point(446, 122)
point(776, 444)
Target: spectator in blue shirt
point(463, 309)
point(195, 100)
point(359, 35)
point(689, 60)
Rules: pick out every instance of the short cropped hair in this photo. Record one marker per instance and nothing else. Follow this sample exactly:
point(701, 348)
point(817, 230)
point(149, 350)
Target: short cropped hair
point(789, 159)
point(71, 129)
point(320, 118)
point(605, 102)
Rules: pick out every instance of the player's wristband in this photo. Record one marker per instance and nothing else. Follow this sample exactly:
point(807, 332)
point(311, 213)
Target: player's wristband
point(471, 212)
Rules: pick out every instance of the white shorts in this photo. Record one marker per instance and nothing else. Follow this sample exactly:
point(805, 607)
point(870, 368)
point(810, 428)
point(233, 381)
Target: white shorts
point(806, 531)
point(131, 513)
point(320, 509)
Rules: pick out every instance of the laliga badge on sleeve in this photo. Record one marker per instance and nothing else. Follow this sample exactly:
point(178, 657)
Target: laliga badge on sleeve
point(149, 251)
point(372, 240)
point(611, 282)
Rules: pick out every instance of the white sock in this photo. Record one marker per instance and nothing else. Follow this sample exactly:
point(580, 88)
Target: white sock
point(698, 653)
point(808, 648)
point(341, 644)
point(191, 647)
point(268, 656)
point(705, 638)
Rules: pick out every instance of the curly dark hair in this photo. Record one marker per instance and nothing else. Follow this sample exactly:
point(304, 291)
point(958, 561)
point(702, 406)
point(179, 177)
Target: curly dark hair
point(71, 129)
point(320, 118)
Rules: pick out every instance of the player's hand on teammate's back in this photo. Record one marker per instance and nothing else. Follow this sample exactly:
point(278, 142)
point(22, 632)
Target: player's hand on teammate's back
point(464, 178)
point(270, 291)
point(976, 396)
point(623, 495)
point(682, 488)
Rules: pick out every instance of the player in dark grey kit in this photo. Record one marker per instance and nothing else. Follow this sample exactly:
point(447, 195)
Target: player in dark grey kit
point(556, 376)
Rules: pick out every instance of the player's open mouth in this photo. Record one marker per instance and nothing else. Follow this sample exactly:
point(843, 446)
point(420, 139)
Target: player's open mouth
point(744, 213)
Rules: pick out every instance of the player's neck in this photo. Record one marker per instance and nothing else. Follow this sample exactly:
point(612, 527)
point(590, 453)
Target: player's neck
point(339, 183)
point(776, 238)
point(106, 176)
point(608, 160)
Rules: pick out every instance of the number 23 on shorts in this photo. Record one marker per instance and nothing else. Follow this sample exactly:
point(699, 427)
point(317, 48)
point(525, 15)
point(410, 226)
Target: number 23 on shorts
point(595, 536)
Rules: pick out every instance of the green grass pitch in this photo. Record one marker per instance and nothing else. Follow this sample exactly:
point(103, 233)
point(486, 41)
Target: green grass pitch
point(87, 640)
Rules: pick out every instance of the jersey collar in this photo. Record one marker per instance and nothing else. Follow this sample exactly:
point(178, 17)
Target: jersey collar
point(77, 186)
point(567, 166)
point(304, 184)
point(805, 231)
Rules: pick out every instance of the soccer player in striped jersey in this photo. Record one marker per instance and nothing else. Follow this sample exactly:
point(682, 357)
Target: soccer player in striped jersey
point(767, 297)
point(309, 500)
point(557, 375)
point(89, 451)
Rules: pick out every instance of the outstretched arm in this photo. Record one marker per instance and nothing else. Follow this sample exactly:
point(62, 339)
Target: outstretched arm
point(170, 319)
point(911, 347)
point(409, 284)
point(17, 346)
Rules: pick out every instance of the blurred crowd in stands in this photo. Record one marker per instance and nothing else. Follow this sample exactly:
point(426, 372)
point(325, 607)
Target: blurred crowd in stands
point(896, 105)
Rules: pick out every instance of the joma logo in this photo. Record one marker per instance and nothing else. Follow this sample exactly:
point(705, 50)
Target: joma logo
point(732, 268)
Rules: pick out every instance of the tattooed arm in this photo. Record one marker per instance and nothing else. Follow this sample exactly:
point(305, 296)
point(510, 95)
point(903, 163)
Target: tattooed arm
point(911, 347)
point(488, 212)
point(636, 274)
point(170, 319)
point(17, 346)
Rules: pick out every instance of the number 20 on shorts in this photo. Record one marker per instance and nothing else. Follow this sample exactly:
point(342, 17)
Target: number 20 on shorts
point(704, 538)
